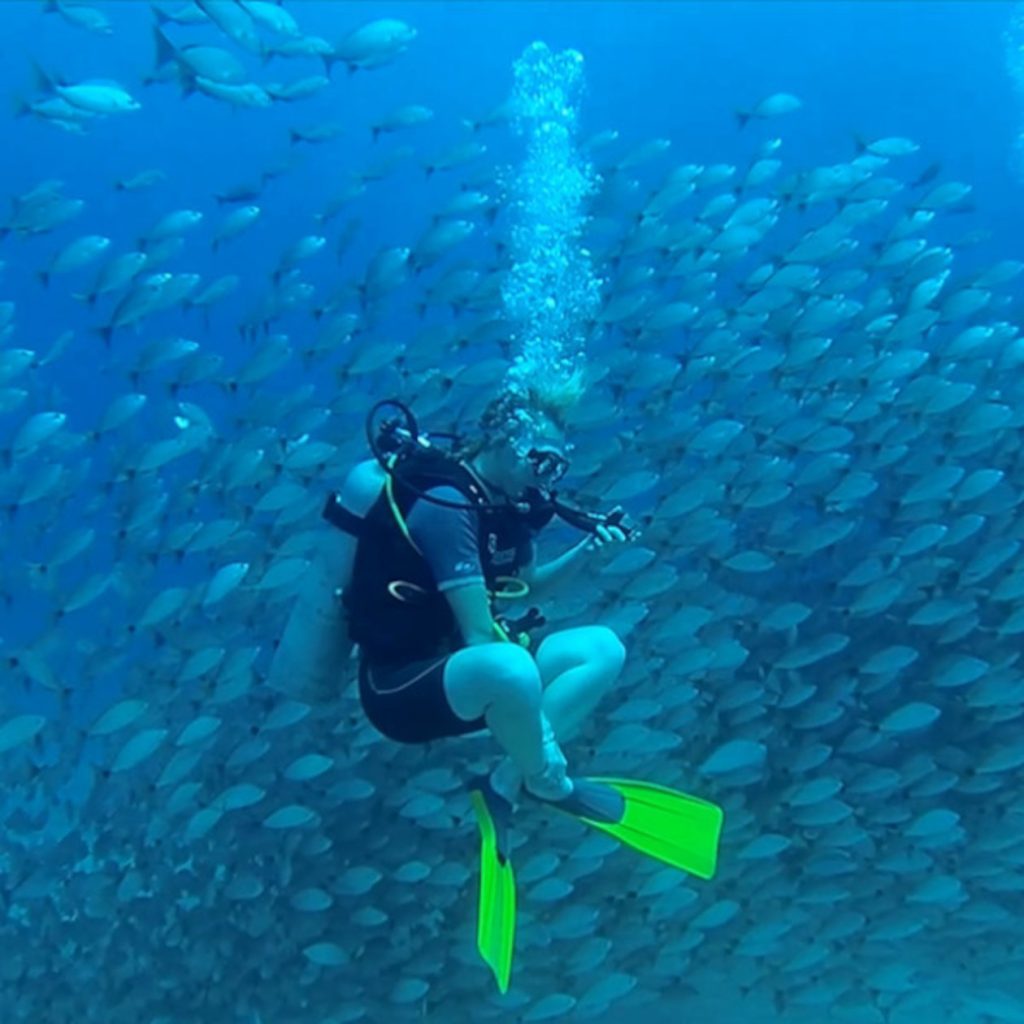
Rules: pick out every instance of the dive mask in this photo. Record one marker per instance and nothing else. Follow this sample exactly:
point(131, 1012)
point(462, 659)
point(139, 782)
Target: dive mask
point(549, 465)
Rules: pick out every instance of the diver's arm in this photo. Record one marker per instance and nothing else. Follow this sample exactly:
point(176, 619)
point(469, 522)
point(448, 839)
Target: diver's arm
point(449, 542)
point(538, 577)
point(472, 610)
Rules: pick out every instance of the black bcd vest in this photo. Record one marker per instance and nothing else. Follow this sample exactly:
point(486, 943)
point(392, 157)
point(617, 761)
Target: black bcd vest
point(395, 612)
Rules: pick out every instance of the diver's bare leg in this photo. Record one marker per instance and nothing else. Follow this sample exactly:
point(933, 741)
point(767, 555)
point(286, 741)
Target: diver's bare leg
point(577, 667)
point(501, 683)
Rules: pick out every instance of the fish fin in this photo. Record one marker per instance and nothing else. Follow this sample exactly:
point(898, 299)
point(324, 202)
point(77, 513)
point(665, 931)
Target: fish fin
point(165, 50)
point(44, 81)
point(675, 828)
point(496, 920)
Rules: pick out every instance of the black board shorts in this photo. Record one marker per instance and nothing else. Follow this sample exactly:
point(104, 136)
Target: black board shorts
point(407, 703)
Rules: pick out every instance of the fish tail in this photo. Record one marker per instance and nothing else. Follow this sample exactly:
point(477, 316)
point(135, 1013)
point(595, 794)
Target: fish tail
point(44, 81)
point(330, 59)
point(44, 278)
point(742, 117)
point(165, 51)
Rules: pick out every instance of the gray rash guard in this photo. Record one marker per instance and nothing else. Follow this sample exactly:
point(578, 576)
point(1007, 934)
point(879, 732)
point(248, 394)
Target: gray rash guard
point(449, 540)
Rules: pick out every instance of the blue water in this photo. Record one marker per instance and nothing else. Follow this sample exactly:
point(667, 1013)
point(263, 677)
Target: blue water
point(933, 72)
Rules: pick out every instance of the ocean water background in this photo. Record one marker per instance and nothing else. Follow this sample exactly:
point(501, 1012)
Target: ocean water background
point(934, 72)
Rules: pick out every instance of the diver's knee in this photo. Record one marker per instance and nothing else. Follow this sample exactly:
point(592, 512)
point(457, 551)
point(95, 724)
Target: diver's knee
point(608, 649)
point(514, 677)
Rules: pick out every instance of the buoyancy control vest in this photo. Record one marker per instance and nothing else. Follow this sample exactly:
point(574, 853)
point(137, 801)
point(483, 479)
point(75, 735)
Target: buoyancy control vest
point(395, 612)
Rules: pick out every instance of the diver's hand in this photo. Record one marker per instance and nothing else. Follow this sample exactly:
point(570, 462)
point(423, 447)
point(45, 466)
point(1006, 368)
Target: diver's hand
point(605, 535)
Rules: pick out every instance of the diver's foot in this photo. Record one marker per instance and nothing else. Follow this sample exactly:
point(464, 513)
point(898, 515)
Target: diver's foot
point(507, 781)
point(550, 784)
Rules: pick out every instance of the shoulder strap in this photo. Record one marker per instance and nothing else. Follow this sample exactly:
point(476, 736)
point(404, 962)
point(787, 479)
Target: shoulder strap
point(421, 472)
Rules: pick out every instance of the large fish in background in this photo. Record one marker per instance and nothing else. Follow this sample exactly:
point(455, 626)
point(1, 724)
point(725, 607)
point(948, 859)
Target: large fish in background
point(800, 379)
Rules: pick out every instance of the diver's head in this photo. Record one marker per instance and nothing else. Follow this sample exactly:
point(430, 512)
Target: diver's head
point(522, 445)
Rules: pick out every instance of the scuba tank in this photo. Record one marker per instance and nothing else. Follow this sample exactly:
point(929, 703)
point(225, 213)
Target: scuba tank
point(315, 653)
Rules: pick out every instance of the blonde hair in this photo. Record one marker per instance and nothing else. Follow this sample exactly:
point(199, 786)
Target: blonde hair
point(510, 416)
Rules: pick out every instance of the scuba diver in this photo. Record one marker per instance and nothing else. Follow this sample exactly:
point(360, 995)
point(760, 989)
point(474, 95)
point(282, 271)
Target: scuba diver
point(427, 537)
point(438, 535)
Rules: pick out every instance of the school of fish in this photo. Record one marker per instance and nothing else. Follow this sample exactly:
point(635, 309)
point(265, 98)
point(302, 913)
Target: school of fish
point(799, 382)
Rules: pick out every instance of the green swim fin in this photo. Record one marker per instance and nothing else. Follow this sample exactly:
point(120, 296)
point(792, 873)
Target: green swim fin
point(670, 826)
point(496, 921)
